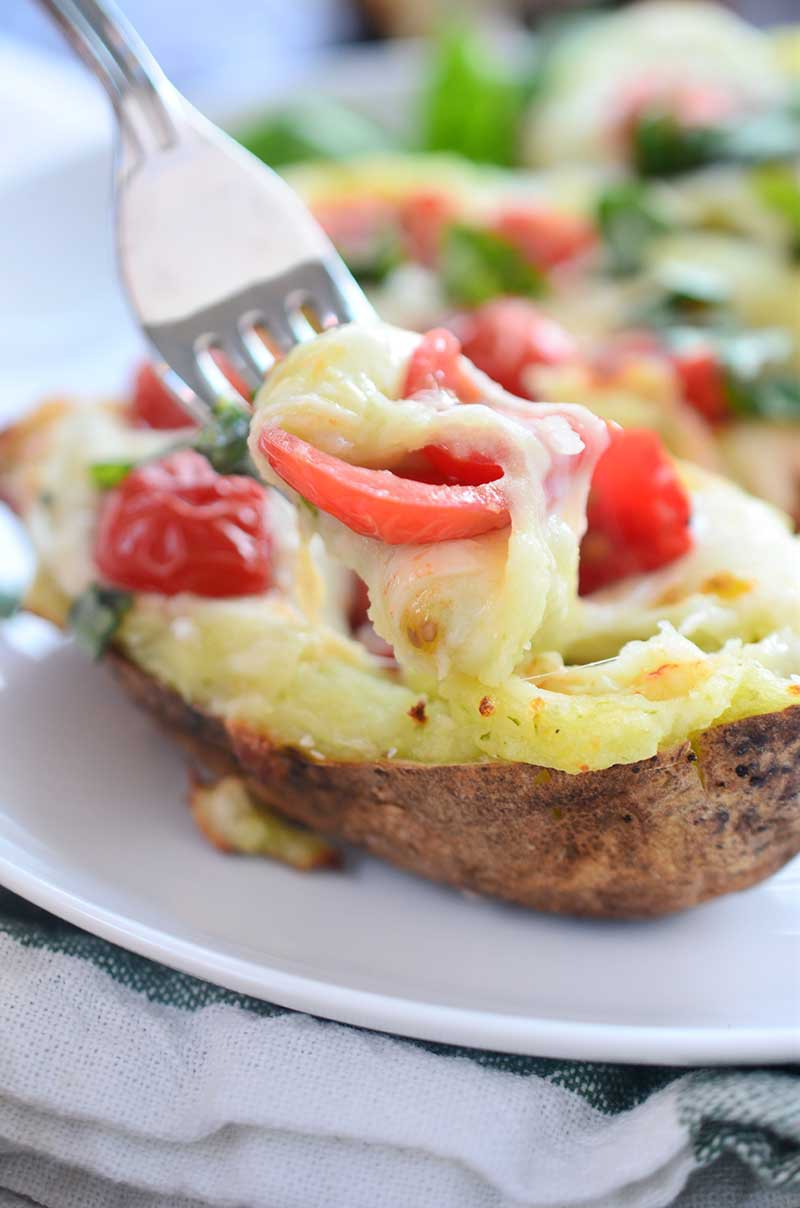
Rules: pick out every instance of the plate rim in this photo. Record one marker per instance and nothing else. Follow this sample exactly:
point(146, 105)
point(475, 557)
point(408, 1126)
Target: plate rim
point(405, 1017)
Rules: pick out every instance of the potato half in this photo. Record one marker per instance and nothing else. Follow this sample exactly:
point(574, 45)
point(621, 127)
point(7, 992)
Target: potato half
point(635, 840)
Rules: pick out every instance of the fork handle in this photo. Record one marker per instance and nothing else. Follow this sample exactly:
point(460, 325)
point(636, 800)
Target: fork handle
point(142, 96)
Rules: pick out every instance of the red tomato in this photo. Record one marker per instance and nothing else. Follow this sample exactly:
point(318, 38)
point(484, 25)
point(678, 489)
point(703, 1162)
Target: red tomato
point(544, 237)
point(378, 503)
point(423, 219)
point(506, 336)
point(703, 382)
point(176, 525)
point(470, 471)
point(436, 365)
point(638, 512)
point(154, 406)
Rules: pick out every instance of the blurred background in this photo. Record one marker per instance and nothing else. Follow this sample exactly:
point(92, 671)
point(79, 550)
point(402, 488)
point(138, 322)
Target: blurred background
point(244, 62)
point(202, 43)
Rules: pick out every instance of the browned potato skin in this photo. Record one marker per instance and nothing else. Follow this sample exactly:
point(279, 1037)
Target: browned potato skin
point(634, 841)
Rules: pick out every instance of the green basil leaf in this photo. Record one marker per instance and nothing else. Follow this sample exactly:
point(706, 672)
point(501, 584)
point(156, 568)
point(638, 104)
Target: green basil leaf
point(108, 474)
point(223, 441)
point(685, 305)
point(778, 187)
point(663, 146)
point(758, 382)
point(371, 264)
point(472, 105)
point(628, 220)
point(772, 398)
point(95, 616)
point(314, 129)
point(478, 265)
point(692, 288)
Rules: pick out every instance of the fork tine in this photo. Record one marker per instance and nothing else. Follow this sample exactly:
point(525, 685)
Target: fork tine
point(337, 298)
point(237, 353)
point(324, 287)
point(279, 327)
point(182, 359)
point(214, 374)
point(251, 349)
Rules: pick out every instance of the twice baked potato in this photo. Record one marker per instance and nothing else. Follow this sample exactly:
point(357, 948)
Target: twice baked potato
point(627, 752)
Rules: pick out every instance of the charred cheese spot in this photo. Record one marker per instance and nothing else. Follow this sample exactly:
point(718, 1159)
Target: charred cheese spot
point(726, 586)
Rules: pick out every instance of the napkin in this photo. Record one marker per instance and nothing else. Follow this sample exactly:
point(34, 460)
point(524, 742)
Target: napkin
point(124, 1084)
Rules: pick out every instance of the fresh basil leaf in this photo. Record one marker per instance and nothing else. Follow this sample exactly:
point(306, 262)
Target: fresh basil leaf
point(757, 380)
point(663, 146)
point(478, 265)
point(108, 474)
point(223, 440)
point(690, 287)
point(372, 263)
point(95, 616)
point(628, 220)
point(314, 129)
point(685, 297)
point(472, 105)
point(10, 603)
point(772, 398)
point(778, 187)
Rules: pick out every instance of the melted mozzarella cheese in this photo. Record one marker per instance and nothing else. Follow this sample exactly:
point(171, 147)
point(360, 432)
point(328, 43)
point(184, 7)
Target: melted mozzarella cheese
point(740, 580)
point(472, 606)
point(732, 648)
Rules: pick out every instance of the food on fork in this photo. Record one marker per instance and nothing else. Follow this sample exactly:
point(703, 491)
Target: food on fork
point(588, 695)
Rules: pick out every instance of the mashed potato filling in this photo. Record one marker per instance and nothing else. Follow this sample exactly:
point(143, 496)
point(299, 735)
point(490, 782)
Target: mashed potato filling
point(610, 678)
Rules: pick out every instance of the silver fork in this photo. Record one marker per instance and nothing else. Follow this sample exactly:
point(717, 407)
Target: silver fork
point(213, 246)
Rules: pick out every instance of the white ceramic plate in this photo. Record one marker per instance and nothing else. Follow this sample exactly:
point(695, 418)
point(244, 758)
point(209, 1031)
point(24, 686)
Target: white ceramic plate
point(94, 827)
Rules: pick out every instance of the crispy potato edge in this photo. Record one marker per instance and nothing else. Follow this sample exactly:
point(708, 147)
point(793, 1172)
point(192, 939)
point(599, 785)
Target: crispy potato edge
point(632, 841)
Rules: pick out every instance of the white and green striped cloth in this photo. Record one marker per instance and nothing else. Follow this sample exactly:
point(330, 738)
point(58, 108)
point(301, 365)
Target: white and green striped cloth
point(124, 1084)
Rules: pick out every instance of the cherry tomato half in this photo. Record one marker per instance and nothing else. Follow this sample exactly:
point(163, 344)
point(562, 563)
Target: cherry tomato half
point(545, 238)
point(154, 406)
point(436, 365)
point(378, 503)
point(506, 336)
point(638, 511)
point(703, 383)
point(176, 525)
point(423, 220)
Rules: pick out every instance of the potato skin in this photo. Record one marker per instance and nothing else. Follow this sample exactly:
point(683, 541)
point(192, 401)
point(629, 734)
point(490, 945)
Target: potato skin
point(633, 841)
